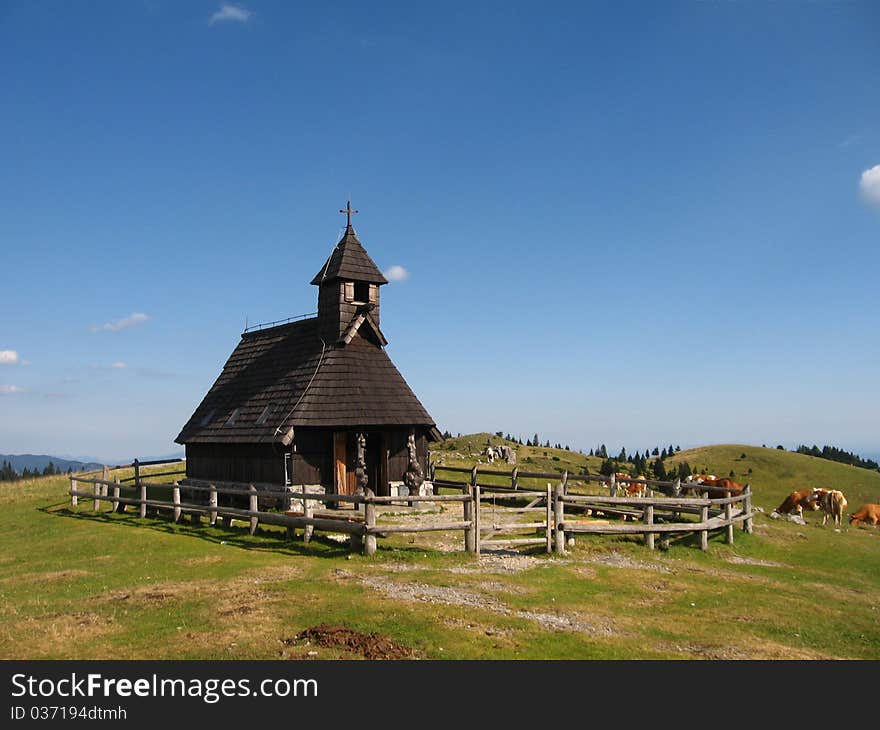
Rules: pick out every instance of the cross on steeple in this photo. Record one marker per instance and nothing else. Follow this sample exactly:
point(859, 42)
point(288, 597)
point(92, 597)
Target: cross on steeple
point(348, 211)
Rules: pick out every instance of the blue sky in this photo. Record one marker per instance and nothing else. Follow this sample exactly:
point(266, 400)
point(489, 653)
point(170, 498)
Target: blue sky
point(629, 223)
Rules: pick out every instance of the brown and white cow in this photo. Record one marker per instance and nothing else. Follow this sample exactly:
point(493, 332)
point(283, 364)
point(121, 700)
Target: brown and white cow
point(832, 503)
point(637, 488)
point(797, 501)
point(867, 513)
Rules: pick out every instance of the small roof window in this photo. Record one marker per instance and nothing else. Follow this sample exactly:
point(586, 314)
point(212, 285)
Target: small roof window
point(233, 417)
point(208, 417)
point(264, 416)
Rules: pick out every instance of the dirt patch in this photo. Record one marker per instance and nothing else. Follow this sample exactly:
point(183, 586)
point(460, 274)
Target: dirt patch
point(745, 651)
point(755, 561)
point(618, 560)
point(369, 646)
point(206, 560)
point(41, 577)
point(502, 562)
point(425, 593)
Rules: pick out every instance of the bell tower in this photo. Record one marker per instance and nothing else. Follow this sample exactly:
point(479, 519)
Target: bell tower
point(348, 285)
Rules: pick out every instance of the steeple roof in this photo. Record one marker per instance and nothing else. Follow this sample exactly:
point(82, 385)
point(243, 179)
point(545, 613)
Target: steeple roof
point(349, 260)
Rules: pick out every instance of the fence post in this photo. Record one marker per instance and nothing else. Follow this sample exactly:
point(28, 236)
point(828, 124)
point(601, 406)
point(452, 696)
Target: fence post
point(747, 507)
point(612, 488)
point(105, 475)
point(137, 473)
point(252, 508)
point(728, 517)
point(116, 503)
point(559, 519)
point(468, 505)
point(370, 521)
point(565, 482)
point(549, 518)
point(514, 478)
point(212, 502)
point(97, 494)
point(308, 511)
point(175, 499)
point(74, 499)
point(143, 500)
point(704, 518)
point(477, 502)
point(649, 522)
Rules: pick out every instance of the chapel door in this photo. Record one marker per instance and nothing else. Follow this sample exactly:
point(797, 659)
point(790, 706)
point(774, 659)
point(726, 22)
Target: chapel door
point(342, 481)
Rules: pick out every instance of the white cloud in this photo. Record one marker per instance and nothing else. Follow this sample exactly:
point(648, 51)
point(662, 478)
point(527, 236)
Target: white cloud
point(396, 273)
point(10, 389)
point(8, 357)
point(228, 12)
point(870, 186)
point(131, 320)
point(119, 365)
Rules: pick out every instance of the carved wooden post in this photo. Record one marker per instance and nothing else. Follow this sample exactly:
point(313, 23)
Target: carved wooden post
point(115, 502)
point(468, 508)
point(143, 500)
point(74, 499)
point(704, 518)
point(649, 522)
point(728, 517)
point(548, 515)
point(747, 507)
point(477, 503)
point(97, 494)
point(252, 508)
point(212, 503)
point(370, 521)
point(559, 519)
point(308, 511)
point(175, 499)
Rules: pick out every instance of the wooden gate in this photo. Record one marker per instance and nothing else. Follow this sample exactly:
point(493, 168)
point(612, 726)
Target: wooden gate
point(492, 520)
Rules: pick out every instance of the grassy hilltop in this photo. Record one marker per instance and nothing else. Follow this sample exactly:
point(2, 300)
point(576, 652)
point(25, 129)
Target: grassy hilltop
point(100, 585)
point(774, 473)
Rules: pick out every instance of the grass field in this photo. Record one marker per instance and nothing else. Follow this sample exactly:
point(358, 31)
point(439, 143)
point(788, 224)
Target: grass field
point(99, 585)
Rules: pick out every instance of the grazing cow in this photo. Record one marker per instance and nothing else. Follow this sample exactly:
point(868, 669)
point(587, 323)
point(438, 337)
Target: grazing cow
point(637, 488)
point(833, 503)
point(868, 513)
point(491, 454)
point(701, 478)
point(797, 501)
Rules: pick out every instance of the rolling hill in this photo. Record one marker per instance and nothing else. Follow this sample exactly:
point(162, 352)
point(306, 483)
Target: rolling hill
point(772, 473)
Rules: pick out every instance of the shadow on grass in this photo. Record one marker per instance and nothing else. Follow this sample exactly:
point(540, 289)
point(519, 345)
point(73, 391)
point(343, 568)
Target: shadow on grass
point(275, 541)
point(266, 539)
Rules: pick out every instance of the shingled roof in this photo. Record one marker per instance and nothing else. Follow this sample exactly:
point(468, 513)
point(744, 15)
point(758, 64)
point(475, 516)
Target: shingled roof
point(350, 260)
point(284, 377)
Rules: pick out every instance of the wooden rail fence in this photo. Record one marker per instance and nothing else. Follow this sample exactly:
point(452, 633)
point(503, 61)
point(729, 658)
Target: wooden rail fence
point(558, 512)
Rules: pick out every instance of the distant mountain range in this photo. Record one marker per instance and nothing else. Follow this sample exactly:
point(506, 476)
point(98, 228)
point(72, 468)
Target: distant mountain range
point(20, 462)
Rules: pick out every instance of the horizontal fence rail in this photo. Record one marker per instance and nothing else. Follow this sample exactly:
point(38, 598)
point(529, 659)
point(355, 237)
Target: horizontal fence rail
point(555, 515)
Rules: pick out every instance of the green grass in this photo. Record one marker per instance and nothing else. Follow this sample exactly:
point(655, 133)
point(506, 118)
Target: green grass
point(87, 585)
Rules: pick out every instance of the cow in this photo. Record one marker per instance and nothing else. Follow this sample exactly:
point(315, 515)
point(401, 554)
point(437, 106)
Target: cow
point(637, 487)
point(701, 478)
point(490, 454)
point(832, 503)
point(868, 513)
point(797, 501)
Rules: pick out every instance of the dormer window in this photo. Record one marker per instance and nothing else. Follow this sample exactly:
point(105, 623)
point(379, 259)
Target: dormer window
point(360, 292)
point(264, 416)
